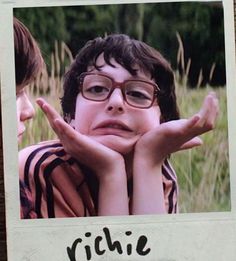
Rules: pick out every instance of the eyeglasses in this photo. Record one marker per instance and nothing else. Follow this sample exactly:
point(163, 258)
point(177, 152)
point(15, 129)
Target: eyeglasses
point(136, 92)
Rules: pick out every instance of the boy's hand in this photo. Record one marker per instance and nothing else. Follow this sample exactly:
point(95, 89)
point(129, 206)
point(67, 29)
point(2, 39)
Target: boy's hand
point(107, 164)
point(86, 150)
point(172, 136)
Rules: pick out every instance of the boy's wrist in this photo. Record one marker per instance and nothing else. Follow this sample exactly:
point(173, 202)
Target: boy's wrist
point(113, 182)
point(113, 173)
point(150, 162)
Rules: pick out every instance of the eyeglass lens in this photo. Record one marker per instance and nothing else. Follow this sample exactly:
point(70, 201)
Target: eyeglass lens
point(137, 93)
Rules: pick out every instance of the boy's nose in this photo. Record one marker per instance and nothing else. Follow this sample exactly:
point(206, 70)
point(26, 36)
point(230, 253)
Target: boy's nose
point(116, 102)
point(27, 111)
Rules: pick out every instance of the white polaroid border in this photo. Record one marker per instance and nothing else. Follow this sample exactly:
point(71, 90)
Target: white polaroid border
point(205, 236)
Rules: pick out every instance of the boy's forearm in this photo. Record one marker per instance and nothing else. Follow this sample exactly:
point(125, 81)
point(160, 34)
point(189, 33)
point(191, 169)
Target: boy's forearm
point(148, 194)
point(113, 194)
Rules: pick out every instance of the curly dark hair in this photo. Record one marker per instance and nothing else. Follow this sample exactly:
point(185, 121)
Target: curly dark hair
point(128, 53)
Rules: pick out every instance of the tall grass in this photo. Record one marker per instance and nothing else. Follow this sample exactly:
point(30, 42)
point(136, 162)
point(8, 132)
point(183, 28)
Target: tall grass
point(203, 172)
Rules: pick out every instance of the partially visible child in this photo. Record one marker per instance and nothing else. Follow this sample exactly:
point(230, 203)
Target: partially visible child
point(28, 64)
point(122, 124)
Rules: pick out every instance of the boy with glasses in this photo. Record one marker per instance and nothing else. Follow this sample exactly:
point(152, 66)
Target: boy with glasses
point(122, 123)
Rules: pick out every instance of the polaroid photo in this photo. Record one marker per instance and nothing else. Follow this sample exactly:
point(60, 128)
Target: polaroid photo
point(118, 129)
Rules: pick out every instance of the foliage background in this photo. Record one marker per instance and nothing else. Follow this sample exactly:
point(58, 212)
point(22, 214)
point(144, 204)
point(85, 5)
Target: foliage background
point(190, 35)
point(200, 25)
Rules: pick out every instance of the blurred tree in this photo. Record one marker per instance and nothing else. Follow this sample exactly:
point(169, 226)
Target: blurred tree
point(87, 22)
point(129, 20)
point(200, 26)
point(47, 24)
point(201, 29)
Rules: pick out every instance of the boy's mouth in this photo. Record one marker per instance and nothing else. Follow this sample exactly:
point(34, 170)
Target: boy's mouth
point(112, 127)
point(111, 124)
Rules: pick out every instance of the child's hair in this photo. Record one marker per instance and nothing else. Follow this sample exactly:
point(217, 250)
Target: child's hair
point(28, 57)
point(128, 53)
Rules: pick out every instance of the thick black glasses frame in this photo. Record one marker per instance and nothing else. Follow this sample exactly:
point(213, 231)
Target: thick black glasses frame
point(117, 85)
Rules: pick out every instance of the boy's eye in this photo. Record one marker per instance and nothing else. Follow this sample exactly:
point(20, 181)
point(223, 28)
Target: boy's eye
point(96, 90)
point(137, 94)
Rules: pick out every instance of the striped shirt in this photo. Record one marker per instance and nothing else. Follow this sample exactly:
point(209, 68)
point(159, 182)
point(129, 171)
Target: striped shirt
point(60, 186)
point(27, 207)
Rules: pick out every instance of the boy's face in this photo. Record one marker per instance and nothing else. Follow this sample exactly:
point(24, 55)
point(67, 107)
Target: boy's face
point(25, 111)
point(113, 122)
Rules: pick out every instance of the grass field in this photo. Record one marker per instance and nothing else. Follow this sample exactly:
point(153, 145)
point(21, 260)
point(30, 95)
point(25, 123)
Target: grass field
point(203, 172)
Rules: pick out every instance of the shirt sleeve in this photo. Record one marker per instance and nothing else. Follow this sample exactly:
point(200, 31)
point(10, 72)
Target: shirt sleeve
point(27, 209)
point(170, 186)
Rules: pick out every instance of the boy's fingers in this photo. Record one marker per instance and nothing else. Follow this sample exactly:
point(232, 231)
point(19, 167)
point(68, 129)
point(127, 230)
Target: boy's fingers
point(208, 113)
point(49, 111)
point(64, 128)
point(47, 108)
point(66, 131)
point(204, 112)
point(214, 111)
point(52, 116)
point(75, 143)
point(191, 122)
point(210, 104)
point(188, 128)
point(191, 143)
point(40, 101)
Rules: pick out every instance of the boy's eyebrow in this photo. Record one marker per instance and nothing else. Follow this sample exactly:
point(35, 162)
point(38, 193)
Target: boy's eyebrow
point(132, 77)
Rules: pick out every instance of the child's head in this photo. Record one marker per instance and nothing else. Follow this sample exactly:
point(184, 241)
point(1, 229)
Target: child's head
point(128, 91)
point(129, 53)
point(28, 64)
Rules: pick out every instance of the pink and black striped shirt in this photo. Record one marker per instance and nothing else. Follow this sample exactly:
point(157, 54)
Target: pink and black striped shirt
point(60, 186)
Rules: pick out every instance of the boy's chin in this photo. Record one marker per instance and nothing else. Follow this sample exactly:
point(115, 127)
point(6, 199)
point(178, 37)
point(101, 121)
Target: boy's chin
point(116, 143)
